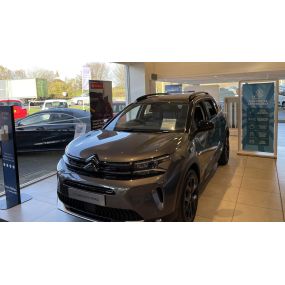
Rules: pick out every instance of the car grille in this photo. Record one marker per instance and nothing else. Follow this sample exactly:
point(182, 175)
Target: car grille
point(87, 187)
point(99, 212)
point(109, 170)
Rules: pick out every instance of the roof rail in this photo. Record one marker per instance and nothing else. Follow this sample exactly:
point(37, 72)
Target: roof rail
point(149, 95)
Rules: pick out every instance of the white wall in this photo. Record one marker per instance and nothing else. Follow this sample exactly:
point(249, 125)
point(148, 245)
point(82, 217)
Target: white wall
point(213, 90)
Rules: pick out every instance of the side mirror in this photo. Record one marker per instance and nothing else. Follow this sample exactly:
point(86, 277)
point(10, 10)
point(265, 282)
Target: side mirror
point(204, 126)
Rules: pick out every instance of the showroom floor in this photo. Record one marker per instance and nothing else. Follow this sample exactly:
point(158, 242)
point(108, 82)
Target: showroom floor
point(247, 189)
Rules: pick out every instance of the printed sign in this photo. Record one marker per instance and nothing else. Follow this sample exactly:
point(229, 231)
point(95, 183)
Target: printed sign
point(258, 108)
point(168, 124)
point(177, 88)
point(100, 93)
point(80, 129)
point(9, 157)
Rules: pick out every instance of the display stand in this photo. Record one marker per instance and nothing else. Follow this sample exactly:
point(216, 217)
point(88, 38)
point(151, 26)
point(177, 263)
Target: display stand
point(13, 197)
point(258, 118)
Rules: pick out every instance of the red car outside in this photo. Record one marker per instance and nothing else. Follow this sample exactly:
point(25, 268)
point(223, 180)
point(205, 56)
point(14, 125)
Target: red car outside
point(19, 111)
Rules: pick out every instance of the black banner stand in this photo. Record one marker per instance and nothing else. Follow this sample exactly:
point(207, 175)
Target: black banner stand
point(13, 196)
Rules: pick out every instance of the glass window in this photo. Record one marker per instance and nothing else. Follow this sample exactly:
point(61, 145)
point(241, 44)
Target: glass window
point(152, 117)
point(199, 114)
point(210, 107)
point(61, 118)
point(11, 103)
point(36, 119)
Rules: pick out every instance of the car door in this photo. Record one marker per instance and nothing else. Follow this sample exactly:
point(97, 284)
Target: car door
point(30, 131)
point(200, 139)
point(214, 134)
point(59, 131)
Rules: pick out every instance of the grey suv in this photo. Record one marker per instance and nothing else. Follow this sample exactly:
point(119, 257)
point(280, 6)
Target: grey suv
point(148, 163)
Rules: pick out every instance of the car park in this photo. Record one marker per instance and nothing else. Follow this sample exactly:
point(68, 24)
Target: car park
point(150, 162)
point(20, 111)
point(54, 103)
point(51, 129)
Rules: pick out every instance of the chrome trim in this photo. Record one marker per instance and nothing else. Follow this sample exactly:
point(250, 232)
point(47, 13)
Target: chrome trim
point(208, 150)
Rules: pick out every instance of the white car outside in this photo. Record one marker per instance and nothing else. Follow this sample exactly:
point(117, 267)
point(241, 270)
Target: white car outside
point(281, 101)
point(56, 103)
point(81, 100)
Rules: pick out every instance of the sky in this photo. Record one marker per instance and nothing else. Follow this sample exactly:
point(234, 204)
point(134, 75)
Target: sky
point(63, 35)
point(56, 35)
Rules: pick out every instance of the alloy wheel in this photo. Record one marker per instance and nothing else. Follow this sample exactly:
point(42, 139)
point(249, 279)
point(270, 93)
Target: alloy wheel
point(191, 198)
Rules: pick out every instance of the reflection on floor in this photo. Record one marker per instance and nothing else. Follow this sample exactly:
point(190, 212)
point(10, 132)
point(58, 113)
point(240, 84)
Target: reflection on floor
point(247, 189)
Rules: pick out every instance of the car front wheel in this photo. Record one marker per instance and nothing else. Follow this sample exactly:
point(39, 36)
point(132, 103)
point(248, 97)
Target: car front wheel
point(189, 198)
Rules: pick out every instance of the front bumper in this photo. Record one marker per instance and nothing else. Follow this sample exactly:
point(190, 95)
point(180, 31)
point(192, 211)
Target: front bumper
point(148, 198)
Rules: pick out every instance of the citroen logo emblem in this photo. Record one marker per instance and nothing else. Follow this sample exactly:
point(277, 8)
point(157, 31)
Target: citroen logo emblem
point(92, 163)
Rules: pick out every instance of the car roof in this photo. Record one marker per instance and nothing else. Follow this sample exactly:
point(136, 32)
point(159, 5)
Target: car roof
point(10, 100)
point(175, 97)
point(70, 111)
point(55, 100)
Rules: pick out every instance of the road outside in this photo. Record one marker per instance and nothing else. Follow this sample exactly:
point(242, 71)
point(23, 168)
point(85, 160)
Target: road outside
point(33, 166)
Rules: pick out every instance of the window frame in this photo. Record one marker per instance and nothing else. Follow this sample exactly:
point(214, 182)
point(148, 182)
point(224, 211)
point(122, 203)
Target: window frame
point(209, 116)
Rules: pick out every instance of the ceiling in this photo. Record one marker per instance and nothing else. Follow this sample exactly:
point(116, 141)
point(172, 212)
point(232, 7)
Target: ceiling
point(223, 78)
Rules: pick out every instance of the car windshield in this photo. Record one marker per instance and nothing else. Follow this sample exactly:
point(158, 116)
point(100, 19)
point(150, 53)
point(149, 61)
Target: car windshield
point(152, 117)
point(56, 105)
point(11, 103)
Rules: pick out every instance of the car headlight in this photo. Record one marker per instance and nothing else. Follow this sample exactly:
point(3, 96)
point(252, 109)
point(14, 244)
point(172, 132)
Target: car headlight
point(150, 166)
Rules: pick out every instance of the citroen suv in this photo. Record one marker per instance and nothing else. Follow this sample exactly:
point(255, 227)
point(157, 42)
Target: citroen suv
point(148, 163)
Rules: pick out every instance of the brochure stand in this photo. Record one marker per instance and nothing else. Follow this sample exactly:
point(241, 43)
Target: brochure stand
point(258, 118)
point(13, 197)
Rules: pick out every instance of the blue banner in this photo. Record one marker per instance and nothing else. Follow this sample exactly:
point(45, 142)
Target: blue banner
point(258, 106)
point(177, 88)
point(9, 157)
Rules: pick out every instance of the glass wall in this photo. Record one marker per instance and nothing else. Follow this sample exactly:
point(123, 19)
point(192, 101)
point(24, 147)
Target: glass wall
point(42, 138)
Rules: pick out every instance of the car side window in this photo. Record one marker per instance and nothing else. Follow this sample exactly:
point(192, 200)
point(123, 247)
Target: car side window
point(211, 108)
point(61, 118)
point(199, 114)
point(36, 119)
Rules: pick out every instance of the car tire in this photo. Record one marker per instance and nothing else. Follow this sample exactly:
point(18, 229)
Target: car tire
point(224, 158)
point(283, 105)
point(187, 206)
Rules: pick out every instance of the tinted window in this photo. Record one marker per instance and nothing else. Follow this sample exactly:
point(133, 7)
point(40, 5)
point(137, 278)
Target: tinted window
point(210, 107)
point(36, 119)
point(11, 103)
point(61, 118)
point(199, 114)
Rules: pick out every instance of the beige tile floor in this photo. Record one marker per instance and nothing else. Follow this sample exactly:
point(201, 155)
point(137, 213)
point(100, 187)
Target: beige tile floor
point(248, 189)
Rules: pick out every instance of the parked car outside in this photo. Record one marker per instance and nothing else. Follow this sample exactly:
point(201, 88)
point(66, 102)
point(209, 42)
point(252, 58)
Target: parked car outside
point(18, 107)
point(54, 103)
point(118, 106)
point(80, 100)
point(51, 129)
point(149, 162)
point(281, 101)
